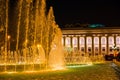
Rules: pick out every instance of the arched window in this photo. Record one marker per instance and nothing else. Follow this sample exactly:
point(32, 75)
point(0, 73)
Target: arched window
point(82, 40)
point(96, 40)
point(67, 41)
point(111, 40)
point(118, 40)
point(75, 41)
point(89, 40)
point(103, 40)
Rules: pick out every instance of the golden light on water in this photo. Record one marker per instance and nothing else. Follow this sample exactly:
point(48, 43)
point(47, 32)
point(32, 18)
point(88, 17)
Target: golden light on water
point(40, 43)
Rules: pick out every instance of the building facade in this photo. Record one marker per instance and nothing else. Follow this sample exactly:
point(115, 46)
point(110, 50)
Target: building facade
point(92, 41)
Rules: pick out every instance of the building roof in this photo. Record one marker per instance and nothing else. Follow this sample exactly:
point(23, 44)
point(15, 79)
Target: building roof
point(88, 26)
point(88, 29)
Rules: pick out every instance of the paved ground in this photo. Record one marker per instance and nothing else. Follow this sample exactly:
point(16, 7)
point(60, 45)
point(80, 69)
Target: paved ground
point(103, 71)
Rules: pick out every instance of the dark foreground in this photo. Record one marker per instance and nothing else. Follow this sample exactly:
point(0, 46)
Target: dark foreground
point(102, 71)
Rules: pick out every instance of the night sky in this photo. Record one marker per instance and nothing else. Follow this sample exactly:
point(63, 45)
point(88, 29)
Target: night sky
point(105, 12)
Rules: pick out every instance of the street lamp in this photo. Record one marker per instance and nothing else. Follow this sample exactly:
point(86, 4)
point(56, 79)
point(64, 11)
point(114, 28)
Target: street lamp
point(8, 41)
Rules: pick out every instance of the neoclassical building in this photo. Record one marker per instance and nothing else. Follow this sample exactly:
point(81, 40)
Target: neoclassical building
point(92, 40)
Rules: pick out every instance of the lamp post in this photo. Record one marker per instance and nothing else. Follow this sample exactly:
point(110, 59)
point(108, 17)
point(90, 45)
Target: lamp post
point(8, 42)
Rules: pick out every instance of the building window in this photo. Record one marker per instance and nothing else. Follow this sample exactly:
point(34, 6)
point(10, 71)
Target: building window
point(118, 49)
point(103, 48)
point(118, 40)
point(96, 54)
point(74, 41)
point(82, 41)
point(96, 40)
point(96, 49)
point(82, 49)
point(103, 40)
point(89, 40)
point(89, 49)
point(68, 42)
point(111, 40)
point(110, 49)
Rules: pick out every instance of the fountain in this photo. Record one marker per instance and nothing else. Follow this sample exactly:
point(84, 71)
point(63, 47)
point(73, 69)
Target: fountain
point(77, 57)
point(35, 42)
point(32, 41)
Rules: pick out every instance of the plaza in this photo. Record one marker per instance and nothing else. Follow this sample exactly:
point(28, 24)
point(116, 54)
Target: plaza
point(34, 47)
point(102, 71)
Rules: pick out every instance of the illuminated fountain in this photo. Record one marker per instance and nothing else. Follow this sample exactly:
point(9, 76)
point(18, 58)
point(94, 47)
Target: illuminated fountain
point(76, 58)
point(37, 39)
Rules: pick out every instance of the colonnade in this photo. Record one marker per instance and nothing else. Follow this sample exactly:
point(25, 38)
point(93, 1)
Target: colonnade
point(92, 44)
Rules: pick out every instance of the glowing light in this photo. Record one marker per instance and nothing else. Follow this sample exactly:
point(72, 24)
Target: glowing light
point(74, 66)
point(90, 63)
point(9, 36)
point(10, 72)
point(89, 40)
point(103, 40)
point(96, 25)
point(38, 45)
point(75, 41)
point(32, 49)
point(96, 40)
point(58, 68)
point(82, 40)
point(68, 42)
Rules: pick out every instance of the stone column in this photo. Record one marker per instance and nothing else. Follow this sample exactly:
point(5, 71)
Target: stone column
point(78, 45)
point(64, 37)
point(100, 45)
point(107, 45)
point(93, 46)
point(115, 39)
point(85, 45)
point(71, 41)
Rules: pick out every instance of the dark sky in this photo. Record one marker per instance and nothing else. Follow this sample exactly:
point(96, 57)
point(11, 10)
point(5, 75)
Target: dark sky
point(106, 12)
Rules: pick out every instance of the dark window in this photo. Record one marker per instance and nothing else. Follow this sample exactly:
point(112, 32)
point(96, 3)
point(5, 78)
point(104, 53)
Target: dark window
point(103, 48)
point(117, 48)
point(89, 54)
point(110, 48)
point(82, 48)
point(89, 49)
point(82, 54)
point(96, 49)
point(96, 54)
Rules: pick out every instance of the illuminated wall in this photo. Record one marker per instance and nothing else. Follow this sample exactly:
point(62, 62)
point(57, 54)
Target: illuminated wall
point(110, 44)
point(82, 44)
point(92, 45)
point(68, 42)
point(89, 45)
point(96, 45)
point(75, 42)
point(118, 43)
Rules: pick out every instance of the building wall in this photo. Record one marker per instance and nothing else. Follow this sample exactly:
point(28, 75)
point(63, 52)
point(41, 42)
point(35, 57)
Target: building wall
point(92, 41)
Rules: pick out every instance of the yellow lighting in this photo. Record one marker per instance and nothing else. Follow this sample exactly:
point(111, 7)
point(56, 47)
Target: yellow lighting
point(38, 45)
point(10, 72)
point(85, 65)
point(9, 36)
point(90, 63)
point(26, 41)
point(58, 68)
